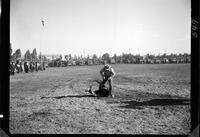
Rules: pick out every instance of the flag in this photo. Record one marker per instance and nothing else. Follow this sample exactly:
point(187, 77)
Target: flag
point(42, 22)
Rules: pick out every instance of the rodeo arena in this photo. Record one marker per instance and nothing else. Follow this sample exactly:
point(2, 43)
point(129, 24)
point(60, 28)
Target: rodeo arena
point(119, 94)
point(100, 67)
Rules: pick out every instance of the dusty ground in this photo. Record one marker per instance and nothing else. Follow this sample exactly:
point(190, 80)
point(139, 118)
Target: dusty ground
point(149, 99)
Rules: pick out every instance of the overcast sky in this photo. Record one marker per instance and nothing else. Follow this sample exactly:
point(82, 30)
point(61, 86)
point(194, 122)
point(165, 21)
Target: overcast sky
point(99, 26)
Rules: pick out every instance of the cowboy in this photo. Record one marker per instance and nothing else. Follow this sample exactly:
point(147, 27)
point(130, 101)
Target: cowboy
point(107, 73)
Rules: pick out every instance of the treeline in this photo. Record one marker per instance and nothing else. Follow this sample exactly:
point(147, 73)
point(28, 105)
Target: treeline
point(28, 56)
point(124, 58)
point(120, 59)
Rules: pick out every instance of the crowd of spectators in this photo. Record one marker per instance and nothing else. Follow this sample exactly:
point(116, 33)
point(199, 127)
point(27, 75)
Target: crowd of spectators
point(25, 66)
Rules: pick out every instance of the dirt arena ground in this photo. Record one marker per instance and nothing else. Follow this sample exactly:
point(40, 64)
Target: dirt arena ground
point(149, 99)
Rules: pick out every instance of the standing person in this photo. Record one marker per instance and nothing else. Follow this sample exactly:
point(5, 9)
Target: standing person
point(17, 67)
point(31, 66)
point(25, 67)
point(20, 67)
point(107, 73)
point(43, 65)
point(12, 68)
point(36, 67)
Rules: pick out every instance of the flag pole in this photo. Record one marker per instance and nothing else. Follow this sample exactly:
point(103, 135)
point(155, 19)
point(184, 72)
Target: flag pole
point(42, 21)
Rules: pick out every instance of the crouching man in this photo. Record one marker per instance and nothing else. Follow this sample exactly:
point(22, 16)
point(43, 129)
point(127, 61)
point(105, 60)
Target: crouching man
point(107, 73)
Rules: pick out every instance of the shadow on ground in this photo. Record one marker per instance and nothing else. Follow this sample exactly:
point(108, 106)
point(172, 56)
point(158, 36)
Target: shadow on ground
point(71, 96)
point(97, 93)
point(154, 102)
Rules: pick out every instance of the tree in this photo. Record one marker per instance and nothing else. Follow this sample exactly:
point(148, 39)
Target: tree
point(45, 58)
point(115, 57)
point(34, 54)
point(27, 55)
point(94, 59)
point(75, 57)
point(106, 58)
point(94, 56)
point(125, 58)
point(18, 54)
point(151, 57)
point(119, 59)
point(13, 58)
point(131, 58)
point(66, 57)
point(70, 56)
point(163, 55)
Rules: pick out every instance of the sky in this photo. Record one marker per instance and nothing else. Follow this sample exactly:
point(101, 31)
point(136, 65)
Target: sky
point(86, 27)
